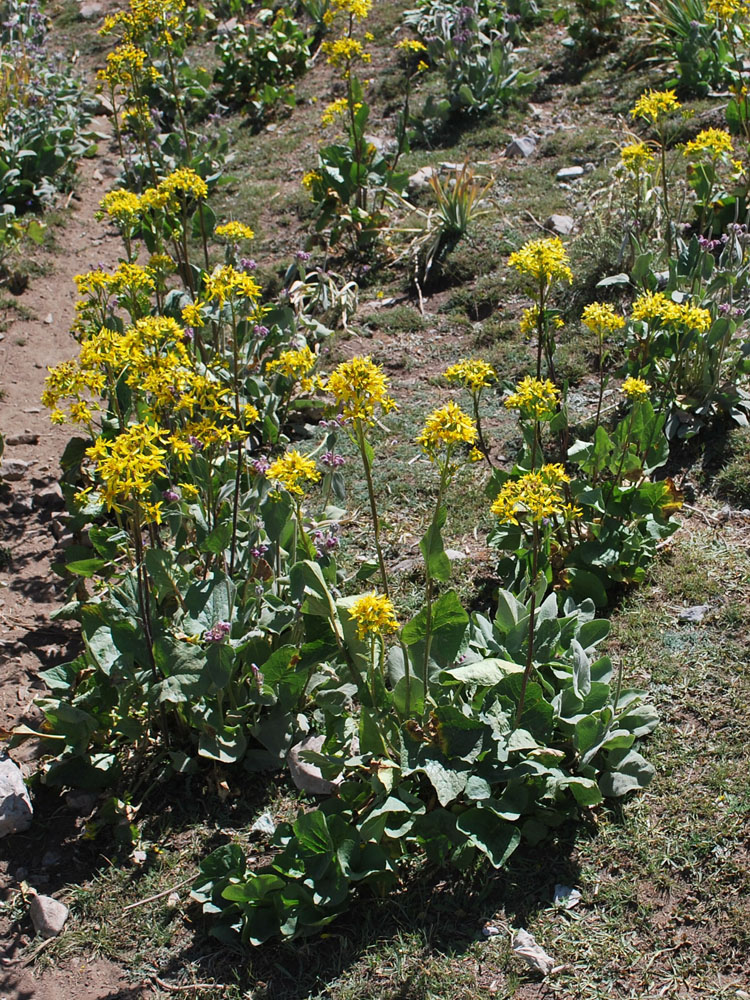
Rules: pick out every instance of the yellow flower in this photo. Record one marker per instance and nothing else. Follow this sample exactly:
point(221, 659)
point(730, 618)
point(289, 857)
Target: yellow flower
point(359, 9)
point(714, 141)
point(338, 107)
point(602, 319)
point(635, 388)
point(545, 260)
point(234, 231)
point(291, 470)
point(656, 308)
point(344, 51)
point(310, 178)
point(655, 104)
point(122, 206)
point(293, 364)
point(359, 386)
point(726, 10)
point(445, 427)
point(129, 463)
point(411, 45)
point(635, 156)
point(536, 495)
point(227, 283)
point(374, 614)
point(192, 314)
point(422, 66)
point(472, 373)
point(184, 181)
point(536, 399)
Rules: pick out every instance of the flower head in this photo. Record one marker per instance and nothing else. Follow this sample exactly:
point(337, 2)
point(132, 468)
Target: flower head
point(234, 231)
point(536, 495)
point(472, 373)
point(635, 388)
point(445, 427)
point(655, 105)
point(636, 156)
point(713, 141)
point(536, 399)
point(359, 386)
point(293, 364)
point(292, 470)
point(545, 260)
point(374, 614)
point(602, 319)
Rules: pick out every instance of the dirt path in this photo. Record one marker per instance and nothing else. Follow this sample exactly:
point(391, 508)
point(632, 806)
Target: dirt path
point(32, 536)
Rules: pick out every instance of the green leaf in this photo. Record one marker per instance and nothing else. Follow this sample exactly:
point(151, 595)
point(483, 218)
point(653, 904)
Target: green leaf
point(437, 562)
point(447, 780)
point(489, 834)
point(628, 771)
point(86, 567)
point(485, 673)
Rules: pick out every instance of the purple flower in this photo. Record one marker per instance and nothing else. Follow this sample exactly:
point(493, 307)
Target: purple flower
point(170, 495)
point(188, 335)
point(247, 264)
point(259, 551)
point(219, 632)
point(261, 466)
point(260, 331)
point(195, 442)
point(257, 675)
point(303, 255)
point(332, 461)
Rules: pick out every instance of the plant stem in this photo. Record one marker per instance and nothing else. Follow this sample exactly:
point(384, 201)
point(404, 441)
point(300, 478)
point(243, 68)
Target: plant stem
point(362, 445)
point(530, 650)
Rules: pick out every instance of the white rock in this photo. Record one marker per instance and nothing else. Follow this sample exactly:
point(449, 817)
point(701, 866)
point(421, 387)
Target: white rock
point(15, 805)
point(48, 915)
point(535, 957)
point(569, 173)
point(49, 319)
point(420, 179)
point(523, 147)
point(13, 469)
point(562, 225)
point(308, 777)
point(89, 11)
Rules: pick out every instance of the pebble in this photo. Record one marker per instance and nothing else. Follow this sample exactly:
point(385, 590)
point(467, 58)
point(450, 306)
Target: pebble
point(13, 469)
point(522, 147)
point(51, 497)
point(49, 319)
point(562, 225)
point(16, 811)
point(420, 179)
point(48, 915)
point(26, 438)
point(569, 173)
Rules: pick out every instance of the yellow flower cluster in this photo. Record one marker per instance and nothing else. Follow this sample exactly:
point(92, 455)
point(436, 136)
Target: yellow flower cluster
point(655, 104)
point(121, 205)
point(227, 283)
point(536, 495)
point(445, 427)
point(310, 178)
point(635, 388)
point(374, 614)
point(714, 141)
point(472, 373)
point(293, 364)
point(344, 51)
point(411, 46)
point(292, 470)
point(129, 464)
point(359, 387)
point(124, 66)
point(727, 10)
point(601, 319)
point(359, 9)
point(234, 231)
point(184, 181)
point(536, 399)
point(157, 19)
point(545, 260)
point(655, 306)
point(636, 156)
point(338, 107)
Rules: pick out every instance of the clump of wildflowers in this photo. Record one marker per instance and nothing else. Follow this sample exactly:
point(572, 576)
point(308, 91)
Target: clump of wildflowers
point(444, 428)
point(601, 319)
point(635, 388)
point(544, 260)
point(472, 373)
point(636, 156)
point(536, 495)
point(655, 105)
point(234, 231)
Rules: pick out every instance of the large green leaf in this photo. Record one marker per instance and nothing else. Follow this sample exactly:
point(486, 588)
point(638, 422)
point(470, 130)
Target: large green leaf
point(437, 562)
point(489, 834)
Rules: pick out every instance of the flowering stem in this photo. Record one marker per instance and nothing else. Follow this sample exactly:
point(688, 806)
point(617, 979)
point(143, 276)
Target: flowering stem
point(444, 480)
point(480, 437)
point(363, 450)
point(665, 193)
point(530, 643)
point(141, 576)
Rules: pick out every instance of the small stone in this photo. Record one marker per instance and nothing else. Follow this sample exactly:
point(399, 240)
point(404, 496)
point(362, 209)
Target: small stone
point(50, 498)
point(48, 915)
point(490, 930)
point(13, 469)
point(49, 319)
point(695, 614)
point(89, 11)
point(562, 225)
point(522, 147)
point(173, 900)
point(26, 438)
point(308, 777)
point(535, 957)
point(23, 505)
point(16, 810)
point(264, 824)
point(420, 179)
point(98, 176)
point(569, 173)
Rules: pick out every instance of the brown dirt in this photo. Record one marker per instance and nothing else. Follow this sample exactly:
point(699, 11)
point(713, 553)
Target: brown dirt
point(78, 979)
